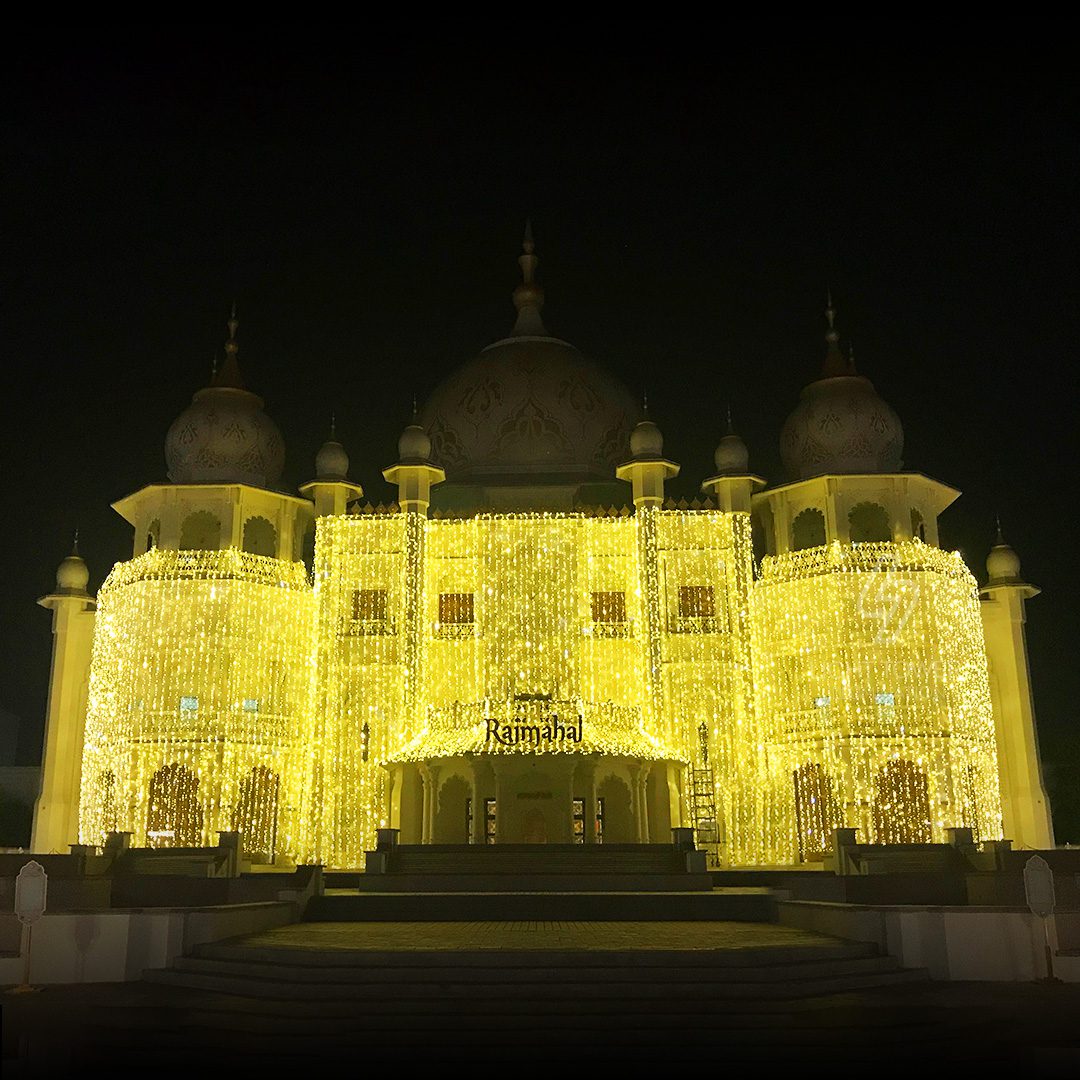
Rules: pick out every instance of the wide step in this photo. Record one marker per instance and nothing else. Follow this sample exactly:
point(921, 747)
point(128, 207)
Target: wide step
point(743, 905)
point(445, 994)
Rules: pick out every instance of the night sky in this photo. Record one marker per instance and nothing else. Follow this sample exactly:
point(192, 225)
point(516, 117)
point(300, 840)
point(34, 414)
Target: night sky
point(365, 210)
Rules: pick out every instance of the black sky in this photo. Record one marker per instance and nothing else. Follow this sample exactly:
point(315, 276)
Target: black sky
point(365, 209)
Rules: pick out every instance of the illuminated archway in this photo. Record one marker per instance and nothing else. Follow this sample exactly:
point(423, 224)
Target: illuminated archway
point(256, 811)
point(174, 817)
point(816, 811)
point(901, 804)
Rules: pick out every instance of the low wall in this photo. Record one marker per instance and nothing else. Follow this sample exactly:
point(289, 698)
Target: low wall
point(118, 945)
point(984, 944)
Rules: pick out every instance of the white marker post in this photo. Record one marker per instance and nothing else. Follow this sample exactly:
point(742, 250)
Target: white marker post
point(31, 889)
point(1039, 892)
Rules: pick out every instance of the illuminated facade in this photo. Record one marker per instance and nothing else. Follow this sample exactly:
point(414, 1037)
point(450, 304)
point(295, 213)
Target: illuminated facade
point(510, 653)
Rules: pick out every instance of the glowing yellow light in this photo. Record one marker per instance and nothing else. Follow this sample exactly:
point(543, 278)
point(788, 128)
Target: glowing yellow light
point(842, 686)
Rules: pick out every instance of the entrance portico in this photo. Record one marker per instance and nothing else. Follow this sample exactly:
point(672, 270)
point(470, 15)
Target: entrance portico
point(535, 799)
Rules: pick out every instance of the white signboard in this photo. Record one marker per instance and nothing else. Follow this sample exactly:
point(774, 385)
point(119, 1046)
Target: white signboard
point(31, 887)
point(1039, 886)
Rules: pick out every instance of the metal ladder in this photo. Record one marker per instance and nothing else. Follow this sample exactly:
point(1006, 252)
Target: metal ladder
point(703, 804)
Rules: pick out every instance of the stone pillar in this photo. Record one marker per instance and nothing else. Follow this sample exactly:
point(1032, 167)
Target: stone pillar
point(500, 801)
point(638, 778)
point(56, 813)
point(1024, 802)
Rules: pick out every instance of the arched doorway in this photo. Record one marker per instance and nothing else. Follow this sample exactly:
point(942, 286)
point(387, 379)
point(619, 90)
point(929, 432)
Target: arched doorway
point(816, 811)
point(256, 810)
point(618, 815)
point(174, 817)
point(452, 814)
point(901, 804)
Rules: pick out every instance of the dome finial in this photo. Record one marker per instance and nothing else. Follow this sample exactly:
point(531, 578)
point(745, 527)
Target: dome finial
point(528, 296)
point(1002, 564)
point(732, 457)
point(228, 374)
point(333, 425)
point(75, 541)
point(645, 403)
point(835, 364)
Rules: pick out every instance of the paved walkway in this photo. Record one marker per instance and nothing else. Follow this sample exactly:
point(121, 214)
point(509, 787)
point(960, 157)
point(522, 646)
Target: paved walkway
point(587, 936)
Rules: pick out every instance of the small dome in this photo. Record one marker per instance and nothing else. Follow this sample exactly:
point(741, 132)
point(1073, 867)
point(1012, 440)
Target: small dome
point(72, 575)
point(414, 444)
point(841, 425)
point(646, 440)
point(732, 455)
point(223, 436)
point(1003, 564)
point(331, 462)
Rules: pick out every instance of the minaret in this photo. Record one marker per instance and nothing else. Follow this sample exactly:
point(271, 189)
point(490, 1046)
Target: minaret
point(56, 814)
point(647, 469)
point(1024, 802)
point(331, 490)
point(733, 483)
point(414, 474)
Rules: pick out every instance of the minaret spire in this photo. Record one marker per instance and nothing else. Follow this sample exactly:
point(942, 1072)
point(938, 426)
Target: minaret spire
point(835, 364)
point(528, 296)
point(228, 375)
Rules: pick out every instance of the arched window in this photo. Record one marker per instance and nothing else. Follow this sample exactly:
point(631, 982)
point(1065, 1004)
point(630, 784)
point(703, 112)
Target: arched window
point(817, 812)
point(918, 525)
point(174, 817)
point(153, 534)
point(868, 523)
point(808, 529)
point(201, 531)
point(255, 814)
point(901, 804)
point(260, 537)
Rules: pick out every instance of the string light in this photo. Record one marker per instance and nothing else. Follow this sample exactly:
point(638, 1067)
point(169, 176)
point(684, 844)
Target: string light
point(201, 666)
point(843, 686)
point(871, 682)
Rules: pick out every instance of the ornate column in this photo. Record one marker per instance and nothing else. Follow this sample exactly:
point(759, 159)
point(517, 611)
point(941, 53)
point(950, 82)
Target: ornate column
point(56, 813)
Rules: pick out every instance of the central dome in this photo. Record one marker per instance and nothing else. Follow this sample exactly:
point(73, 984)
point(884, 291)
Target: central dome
point(530, 408)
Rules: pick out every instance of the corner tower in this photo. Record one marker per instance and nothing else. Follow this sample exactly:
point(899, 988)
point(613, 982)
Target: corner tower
point(869, 658)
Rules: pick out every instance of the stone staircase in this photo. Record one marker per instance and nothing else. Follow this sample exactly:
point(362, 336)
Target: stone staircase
point(553, 882)
point(288, 1003)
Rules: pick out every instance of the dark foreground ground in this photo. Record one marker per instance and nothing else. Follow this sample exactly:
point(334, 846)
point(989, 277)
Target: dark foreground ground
point(920, 1027)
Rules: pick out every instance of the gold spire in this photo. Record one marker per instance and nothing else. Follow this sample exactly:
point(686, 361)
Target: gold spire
point(528, 296)
point(228, 375)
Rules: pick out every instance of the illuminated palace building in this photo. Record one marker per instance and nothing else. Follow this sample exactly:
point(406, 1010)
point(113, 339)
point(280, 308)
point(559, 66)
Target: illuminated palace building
point(533, 643)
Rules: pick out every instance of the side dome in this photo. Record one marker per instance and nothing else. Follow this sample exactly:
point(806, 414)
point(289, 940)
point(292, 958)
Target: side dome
point(841, 424)
point(530, 406)
point(223, 436)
